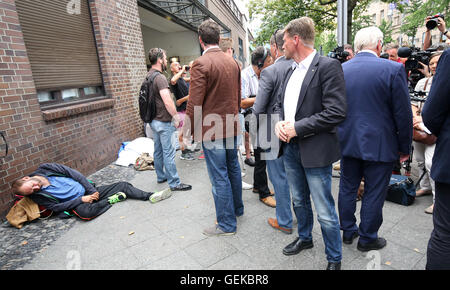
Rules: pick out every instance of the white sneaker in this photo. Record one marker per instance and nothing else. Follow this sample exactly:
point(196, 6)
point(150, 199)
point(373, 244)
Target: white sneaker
point(160, 195)
point(246, 186)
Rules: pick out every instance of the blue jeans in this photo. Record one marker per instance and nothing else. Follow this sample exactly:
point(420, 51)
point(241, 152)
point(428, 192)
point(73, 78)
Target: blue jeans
point(164, 154)
point(225, 175)
point(277, 175)
point(316, 183)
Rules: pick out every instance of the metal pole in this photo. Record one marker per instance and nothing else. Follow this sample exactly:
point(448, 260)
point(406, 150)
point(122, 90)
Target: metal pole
point(342, 21)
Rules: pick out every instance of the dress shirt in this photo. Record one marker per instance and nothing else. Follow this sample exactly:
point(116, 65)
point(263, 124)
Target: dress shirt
point(213, 46)
point(294, 86)
point(249, 84)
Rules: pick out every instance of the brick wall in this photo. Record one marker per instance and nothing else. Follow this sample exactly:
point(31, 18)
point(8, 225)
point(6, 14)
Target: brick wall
point(86, 137)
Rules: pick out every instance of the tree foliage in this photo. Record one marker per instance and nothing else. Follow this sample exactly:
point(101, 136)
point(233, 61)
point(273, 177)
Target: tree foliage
point(276, 14)
point(416, 11)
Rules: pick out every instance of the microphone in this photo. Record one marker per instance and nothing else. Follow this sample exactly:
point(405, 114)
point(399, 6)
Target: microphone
point(404, 52)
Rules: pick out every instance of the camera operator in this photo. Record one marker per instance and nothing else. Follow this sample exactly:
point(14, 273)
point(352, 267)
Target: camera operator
point(342, 53)
point(424, 152)
point(438, 19)
point(348, 48)
point(392, 50)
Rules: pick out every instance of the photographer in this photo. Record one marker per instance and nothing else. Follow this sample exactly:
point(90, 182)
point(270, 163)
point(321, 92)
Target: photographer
point(180, 89)
point(424, 152)
point(432, 22)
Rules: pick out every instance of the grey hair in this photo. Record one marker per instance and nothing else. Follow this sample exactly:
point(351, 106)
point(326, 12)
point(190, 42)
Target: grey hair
point(368, 38)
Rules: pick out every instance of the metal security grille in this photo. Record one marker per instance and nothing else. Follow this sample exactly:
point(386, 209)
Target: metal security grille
point(60, 44)
point(188, 13)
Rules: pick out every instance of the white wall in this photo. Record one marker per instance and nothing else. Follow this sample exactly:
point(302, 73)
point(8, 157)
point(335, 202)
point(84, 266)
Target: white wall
point(183, 44)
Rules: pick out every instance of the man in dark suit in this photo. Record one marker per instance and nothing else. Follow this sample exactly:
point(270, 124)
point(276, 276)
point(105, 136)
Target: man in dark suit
point(212, 116)
point(264, 107)
point(436, 117)
point(376, 132)
point(311, 105)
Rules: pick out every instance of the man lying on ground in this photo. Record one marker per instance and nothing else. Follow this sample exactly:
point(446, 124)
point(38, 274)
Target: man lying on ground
point(64, 191)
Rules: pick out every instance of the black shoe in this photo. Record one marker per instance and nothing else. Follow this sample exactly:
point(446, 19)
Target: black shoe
point(334, 266)
point(250, 162)
point(181, 187)
point(376, 245)
point(162, 181)
point(349, 240)
point(297, 246)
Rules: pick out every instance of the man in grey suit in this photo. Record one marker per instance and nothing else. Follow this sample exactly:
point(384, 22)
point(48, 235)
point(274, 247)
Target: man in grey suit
point(311, 105)
point(266, 98)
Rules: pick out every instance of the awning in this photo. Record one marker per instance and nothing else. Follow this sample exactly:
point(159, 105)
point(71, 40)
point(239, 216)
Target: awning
point(188, 13)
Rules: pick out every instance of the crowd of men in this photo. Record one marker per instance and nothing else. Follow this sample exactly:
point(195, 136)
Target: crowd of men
point(301, 112)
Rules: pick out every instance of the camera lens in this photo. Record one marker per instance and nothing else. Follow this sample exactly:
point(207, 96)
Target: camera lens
point(431, 24)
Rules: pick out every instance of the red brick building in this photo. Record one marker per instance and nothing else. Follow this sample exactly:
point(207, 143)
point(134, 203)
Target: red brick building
point(70, 72)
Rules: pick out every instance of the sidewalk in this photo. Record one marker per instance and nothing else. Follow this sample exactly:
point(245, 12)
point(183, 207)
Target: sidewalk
point(168, 235)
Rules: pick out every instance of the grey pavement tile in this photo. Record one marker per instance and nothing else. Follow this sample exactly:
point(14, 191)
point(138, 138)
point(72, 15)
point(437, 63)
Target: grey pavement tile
point(409, 237)
point(297, 262)
point(399, 257)
point(153, 249)
point(211, 250)
point(238, 261)
point(124, 260)
point(421, 264)
point(185, 236)
point(176, 261)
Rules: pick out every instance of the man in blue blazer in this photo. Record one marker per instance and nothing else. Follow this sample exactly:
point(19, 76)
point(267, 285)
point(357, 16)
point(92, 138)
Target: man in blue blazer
point(377, 130)
point(436, 117)
point(311, 105)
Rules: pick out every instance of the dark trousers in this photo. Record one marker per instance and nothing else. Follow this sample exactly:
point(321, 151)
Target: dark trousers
point(260, 175)
point(88, 211)
point(438, 252)
point(376, 181)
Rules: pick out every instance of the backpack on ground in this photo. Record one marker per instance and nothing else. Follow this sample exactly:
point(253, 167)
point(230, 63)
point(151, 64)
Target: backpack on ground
point(147, 105)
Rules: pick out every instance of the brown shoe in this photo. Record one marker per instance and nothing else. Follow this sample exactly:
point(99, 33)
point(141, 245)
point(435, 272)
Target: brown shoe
point(274, 224)
point(271, 192)
point(269, 201)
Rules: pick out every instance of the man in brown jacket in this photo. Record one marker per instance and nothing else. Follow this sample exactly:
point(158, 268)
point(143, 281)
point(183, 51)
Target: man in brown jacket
point(212, 116)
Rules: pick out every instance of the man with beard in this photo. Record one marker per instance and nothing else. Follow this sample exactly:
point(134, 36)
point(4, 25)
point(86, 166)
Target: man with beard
point(162, 126)
point(212, 117)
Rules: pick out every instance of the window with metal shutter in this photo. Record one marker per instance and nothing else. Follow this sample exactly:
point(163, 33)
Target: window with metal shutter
point(61, 47)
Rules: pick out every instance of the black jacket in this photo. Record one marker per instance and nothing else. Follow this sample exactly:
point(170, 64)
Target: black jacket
point(321, 107)
point(49, 201)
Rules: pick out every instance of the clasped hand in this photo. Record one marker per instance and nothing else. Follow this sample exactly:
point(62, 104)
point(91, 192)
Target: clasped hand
point(90, 198)
point(285, 131)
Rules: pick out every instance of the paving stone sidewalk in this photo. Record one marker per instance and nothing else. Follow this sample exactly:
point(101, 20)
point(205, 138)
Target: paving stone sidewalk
point(168, 235)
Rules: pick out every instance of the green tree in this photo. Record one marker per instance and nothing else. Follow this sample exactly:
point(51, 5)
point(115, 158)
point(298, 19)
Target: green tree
point(277, 13)
point(416, 11)
point(386, 28)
